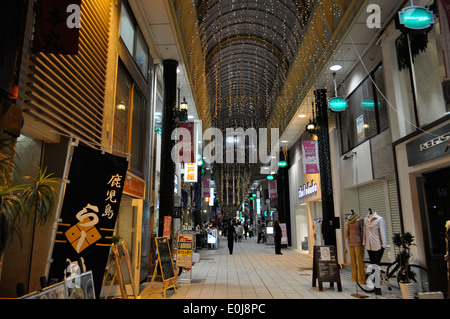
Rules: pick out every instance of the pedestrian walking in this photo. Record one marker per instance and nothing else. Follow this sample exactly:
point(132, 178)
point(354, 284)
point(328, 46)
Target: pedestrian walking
point(277, 238)
point(231, 234)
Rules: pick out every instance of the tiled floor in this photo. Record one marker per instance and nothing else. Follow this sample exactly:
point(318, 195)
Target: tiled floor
point(254, 271)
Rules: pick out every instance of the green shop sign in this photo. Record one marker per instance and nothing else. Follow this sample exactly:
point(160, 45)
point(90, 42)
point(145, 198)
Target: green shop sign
point(416, 18)
point(338, 104)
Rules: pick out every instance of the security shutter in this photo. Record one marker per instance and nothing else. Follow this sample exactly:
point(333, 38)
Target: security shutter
point(377, 197)
point(67, 92)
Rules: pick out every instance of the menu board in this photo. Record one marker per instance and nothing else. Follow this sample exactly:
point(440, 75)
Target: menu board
point(326, 267)
point(165, 258)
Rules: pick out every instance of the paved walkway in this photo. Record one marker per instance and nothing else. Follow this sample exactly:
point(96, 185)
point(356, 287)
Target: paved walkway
point(254, 271)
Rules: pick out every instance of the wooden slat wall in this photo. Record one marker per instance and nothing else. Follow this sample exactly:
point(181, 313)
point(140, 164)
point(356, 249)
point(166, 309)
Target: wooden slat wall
point(67, 92)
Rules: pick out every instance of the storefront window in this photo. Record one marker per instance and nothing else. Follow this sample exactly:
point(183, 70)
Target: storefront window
point(121, 112)
point(127, 29)
point(141, 56)
point(138, 131)
point(134, 41)
point(420, 81)
point(366, 115)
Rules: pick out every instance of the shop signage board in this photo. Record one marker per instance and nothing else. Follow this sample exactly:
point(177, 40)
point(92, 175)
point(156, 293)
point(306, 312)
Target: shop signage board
point(165, 264)
point(89, 212)
point(416, 18)
point(308, 189)
point(429, 146)
point(190, 172)
point(326, 267)
point(184, 254)
point(134, 186)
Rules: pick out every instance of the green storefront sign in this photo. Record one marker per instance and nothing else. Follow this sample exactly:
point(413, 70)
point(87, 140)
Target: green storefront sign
point(416, 18)
point(338, 104)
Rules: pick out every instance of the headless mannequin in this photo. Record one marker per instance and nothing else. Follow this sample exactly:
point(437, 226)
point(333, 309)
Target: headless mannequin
point(375, 238)
point(354, 234)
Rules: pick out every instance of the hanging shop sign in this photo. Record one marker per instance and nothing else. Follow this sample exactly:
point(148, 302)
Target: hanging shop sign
point(307, 190)
point(206, 187)
point(429, 146)
point(282, 164)
point(273, 189)
point(190, 172)
point(338, 104)
point(89, 212)
point(416, 18)
point(185, 145)
point(310, 157)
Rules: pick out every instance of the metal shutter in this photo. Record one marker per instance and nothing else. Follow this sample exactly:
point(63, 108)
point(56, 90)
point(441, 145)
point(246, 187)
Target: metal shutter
point(67, 92)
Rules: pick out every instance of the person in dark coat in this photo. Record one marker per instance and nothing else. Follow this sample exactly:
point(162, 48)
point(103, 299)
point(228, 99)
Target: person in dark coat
point(231, 233)
point(277, 238)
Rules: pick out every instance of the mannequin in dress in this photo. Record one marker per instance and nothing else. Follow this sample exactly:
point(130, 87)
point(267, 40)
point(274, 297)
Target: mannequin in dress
point(354, 233)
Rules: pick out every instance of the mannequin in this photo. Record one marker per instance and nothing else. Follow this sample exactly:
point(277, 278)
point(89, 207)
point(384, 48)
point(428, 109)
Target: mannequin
point(375, 238)
point(354, 234)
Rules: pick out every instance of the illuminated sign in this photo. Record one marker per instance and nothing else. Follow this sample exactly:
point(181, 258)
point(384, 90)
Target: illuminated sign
point(338, 104)
point(307, 190)
point(190, 172)
point(416, 18)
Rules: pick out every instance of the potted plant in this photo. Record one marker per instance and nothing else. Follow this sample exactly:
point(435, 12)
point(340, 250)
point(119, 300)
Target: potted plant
point(405, 275)
point(26, 199)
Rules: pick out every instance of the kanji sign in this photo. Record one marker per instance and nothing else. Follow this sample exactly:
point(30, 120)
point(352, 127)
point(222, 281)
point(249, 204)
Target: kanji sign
point(89, 212)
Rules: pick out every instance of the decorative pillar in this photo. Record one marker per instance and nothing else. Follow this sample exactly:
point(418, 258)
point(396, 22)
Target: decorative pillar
point(326, 181)
point(166, 206)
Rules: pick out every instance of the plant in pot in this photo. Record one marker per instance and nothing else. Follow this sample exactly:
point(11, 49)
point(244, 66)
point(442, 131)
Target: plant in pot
point(405, 276)
point(23, 200)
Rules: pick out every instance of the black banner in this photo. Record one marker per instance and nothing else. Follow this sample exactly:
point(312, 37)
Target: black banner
point(89, 212)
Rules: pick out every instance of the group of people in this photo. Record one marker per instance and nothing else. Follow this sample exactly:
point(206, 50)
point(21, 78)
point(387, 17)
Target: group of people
point(234, 230)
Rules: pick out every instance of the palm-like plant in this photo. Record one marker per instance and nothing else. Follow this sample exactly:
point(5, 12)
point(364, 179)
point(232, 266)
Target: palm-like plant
point(404, 243)
point(24, 200)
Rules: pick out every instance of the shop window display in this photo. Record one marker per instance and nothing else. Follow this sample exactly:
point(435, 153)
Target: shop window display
point(366, 115)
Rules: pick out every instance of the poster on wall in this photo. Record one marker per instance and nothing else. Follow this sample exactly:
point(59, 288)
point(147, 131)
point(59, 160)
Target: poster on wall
point(284, 236)
point(310, 157)
point(360, 128)
point(89, 212)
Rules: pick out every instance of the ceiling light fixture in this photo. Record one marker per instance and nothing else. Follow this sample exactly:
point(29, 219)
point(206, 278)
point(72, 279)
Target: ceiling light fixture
point(336, 67)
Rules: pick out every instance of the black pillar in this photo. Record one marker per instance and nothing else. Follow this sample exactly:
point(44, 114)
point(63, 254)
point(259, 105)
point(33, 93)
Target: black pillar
point(284, 211)
point(166, 190)
point(326, 181)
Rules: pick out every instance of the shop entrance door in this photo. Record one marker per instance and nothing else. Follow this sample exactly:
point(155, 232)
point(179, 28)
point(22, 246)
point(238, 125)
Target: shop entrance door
point(129, 229)
point(436, 211)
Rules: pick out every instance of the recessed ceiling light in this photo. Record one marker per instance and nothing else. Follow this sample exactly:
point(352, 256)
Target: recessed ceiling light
point(302, 116)
point(284, 141)
point(336, 67)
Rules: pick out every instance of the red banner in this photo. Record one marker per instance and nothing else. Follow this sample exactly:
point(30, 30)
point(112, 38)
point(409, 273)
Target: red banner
point(57, 26)
point(186, 143)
